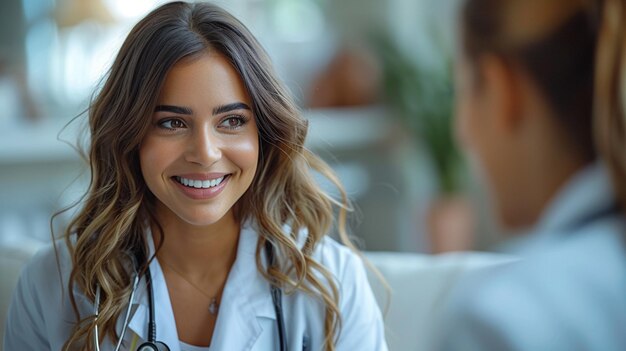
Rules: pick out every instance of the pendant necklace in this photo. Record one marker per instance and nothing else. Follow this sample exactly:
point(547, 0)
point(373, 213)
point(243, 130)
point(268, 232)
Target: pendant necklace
point(213, 305)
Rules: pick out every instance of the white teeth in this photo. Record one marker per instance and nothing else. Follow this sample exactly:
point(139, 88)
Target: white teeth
point(200, 183)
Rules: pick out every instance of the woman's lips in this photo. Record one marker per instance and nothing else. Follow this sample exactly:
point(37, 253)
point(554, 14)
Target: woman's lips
point(203, 188)
point(197, 183)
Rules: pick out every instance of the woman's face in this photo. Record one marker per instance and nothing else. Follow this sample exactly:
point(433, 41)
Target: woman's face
point(481, 131)
point(201, 152)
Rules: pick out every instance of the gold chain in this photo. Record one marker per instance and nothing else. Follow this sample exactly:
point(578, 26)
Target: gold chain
point(213, 306)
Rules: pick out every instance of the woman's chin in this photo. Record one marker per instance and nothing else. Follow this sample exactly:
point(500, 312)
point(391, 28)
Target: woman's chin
point(202, 221)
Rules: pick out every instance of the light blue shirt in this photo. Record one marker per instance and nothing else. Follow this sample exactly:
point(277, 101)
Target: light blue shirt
point(567, 293)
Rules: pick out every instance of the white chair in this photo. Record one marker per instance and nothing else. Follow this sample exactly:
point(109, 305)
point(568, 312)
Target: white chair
point(419, 288)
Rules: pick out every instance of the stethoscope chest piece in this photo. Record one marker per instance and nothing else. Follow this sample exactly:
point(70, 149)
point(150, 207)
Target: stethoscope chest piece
point(153, 346)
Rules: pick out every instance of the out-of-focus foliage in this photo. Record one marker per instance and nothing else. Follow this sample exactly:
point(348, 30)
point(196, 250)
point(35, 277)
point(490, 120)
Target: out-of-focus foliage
point(423, 99)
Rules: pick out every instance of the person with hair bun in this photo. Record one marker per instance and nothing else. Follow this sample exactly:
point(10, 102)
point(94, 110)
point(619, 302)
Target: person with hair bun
point(203, 227)
point(541, 112)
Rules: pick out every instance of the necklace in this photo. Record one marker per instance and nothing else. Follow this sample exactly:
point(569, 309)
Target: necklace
point(213, 305)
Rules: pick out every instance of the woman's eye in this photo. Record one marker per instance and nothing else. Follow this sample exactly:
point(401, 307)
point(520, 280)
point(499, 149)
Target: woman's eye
point(172, 124)
point(233, 122)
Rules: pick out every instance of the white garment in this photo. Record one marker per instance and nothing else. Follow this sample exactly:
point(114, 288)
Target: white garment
point(41, 316)
point(568, 293)
point(187, 347)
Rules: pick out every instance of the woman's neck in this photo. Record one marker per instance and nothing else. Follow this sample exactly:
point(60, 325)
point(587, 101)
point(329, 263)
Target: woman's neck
point(201, 253)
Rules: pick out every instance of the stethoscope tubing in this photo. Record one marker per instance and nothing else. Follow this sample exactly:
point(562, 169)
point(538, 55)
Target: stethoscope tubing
point(126, 316)
point(130, 299)
point(276, 293)
point(277, 298)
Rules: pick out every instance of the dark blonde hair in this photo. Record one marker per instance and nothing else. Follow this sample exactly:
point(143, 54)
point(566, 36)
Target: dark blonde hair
point(117, 209)
point(575, 52)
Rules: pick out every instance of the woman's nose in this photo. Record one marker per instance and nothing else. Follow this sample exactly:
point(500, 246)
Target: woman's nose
point(204, 148)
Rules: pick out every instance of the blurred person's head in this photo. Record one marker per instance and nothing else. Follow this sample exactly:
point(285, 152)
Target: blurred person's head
point(540, 87)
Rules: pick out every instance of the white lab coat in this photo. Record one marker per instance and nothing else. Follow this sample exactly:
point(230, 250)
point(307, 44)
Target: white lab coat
point(568, 291)
point(41, 316)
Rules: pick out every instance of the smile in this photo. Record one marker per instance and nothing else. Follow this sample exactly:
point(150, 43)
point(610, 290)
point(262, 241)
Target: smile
point(200, 184)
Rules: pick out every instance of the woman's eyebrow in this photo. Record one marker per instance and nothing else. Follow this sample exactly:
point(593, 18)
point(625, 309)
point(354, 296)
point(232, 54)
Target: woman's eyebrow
point(216, 111)
point(230, 107)
point(174, 109)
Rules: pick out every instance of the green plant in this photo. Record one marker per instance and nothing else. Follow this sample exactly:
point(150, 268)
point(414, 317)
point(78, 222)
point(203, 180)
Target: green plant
point(423, 99)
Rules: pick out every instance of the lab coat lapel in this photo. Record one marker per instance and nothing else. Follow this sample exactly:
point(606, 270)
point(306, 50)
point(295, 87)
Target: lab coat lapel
point(164, 315)
point(246, 298)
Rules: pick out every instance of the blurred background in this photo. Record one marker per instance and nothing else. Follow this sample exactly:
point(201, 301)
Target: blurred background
point(372, 76)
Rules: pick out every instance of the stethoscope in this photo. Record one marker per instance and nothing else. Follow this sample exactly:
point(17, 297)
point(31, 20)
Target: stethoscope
point(152, 344)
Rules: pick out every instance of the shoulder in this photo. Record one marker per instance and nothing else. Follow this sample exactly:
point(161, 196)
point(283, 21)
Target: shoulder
point(606, 238)
point(582, 264)
point(362, 323)
point(51, 265)
point(564, 293)
point(590, 259)
point(39, 307)
point(348, 272)
point(44, 279)
point(337, 258)
point(484, 296)
point(496, 309)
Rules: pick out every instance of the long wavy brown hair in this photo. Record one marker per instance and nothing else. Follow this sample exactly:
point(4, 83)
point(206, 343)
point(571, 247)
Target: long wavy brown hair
point(575, 51)
point(117, 209)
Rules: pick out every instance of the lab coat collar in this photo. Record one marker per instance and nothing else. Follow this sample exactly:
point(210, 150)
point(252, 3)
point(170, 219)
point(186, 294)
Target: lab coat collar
point(245, 294)
point(585, 192)
point(163, 313)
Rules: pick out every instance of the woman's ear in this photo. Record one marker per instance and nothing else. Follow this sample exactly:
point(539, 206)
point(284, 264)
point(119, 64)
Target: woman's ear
point(502, 94)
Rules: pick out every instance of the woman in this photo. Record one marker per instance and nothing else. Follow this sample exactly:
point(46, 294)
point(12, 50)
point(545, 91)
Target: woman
point(201, 212)
point(541, 109)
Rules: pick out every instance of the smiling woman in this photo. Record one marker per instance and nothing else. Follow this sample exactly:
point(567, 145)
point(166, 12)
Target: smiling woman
point(198, 158)
point(201, 212)
point(203, 143)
